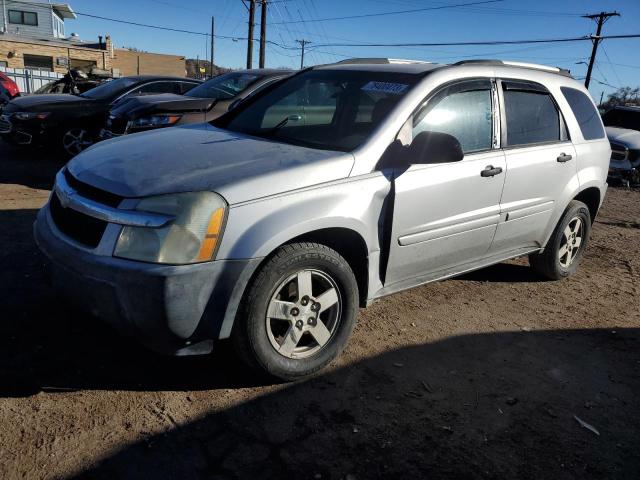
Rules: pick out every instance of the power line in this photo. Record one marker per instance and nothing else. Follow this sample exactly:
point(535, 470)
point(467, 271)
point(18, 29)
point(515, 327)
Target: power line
point(397, 12)
point(178, 30)
point(487, 42)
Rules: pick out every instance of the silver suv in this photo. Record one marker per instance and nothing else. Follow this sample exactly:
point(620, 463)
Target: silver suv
point(328, 190)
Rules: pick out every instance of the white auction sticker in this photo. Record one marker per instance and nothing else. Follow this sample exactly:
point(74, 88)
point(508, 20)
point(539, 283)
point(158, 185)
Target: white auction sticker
point(385, 87)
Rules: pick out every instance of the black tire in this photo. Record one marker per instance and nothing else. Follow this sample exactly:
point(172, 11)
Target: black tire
point(548, 262)
point(251, 335)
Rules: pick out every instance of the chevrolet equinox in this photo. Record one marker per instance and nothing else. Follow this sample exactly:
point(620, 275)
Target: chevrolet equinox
point(328, 190)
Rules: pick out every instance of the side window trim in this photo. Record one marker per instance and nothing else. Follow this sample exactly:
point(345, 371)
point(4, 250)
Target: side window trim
point(526, 85)
point(495, 106)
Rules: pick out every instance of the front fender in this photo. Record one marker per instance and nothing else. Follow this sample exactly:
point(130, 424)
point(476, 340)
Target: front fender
point(256, 229)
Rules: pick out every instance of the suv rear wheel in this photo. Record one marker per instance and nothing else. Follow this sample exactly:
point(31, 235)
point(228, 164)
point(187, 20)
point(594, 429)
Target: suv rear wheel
point(566, 246)
point(298, 313)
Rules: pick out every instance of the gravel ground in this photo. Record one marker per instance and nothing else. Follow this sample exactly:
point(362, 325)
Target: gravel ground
point(490, 375)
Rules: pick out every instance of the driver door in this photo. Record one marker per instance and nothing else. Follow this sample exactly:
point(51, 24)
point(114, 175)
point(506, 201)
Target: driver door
point(445, 215)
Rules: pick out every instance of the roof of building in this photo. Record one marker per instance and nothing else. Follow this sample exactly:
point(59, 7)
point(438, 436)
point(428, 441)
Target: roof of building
point(64, 10)
point(58, 42)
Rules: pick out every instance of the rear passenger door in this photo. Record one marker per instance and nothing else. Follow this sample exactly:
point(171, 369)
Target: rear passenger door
point(541, 165)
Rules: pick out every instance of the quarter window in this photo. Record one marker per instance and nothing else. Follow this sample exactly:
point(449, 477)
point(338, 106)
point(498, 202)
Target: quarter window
point(585, 113)
point(532, 116)
point(462, 110)
point(20, 17)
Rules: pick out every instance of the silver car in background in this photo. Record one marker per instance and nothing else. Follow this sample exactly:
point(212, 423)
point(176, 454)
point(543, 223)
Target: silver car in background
point(340, 185)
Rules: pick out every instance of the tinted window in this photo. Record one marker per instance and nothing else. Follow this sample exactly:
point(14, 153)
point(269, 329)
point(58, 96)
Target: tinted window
point(622, 118)
point(462, 110)
point(327, 109)
point(532, 117)
point(156, 87)
point(186, 86)
point(585, 113)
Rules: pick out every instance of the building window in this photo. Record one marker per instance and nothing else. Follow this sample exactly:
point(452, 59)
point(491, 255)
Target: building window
point(38, 62)
point(3, 63)
point(20, 17)
point(58, 26)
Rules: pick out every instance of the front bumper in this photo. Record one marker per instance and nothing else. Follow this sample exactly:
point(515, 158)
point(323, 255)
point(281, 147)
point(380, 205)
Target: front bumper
point(21, 132)
point(624, 170)
point(176, 310)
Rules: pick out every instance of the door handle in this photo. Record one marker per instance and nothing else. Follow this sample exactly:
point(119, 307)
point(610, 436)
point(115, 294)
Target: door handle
point(491, 171)
point(564, 158)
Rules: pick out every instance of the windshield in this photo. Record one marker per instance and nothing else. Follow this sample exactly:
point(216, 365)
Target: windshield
point(326, 109)
point(224, 87)
point(622, 118)
point(110, 89)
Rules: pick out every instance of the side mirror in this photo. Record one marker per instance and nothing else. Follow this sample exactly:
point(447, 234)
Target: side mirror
point(433, 147)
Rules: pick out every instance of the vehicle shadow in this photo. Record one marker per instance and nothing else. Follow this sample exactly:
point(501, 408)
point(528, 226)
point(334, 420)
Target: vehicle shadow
point(31, 167)
point(498, 405)
point(47, 345)
point(503, 273)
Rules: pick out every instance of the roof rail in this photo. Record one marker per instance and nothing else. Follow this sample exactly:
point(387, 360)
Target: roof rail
point(533, 66)
point(376, 60)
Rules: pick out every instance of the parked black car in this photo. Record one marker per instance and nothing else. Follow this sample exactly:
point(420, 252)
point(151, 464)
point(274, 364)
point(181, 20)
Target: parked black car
point(72, 122)
point(623, 129)
point(202, 104)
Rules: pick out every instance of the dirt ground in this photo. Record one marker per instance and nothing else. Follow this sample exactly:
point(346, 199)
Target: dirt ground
point(485, 376)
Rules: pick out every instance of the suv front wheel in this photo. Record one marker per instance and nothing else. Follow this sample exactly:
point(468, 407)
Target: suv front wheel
point(298, 312)
point(566, 246)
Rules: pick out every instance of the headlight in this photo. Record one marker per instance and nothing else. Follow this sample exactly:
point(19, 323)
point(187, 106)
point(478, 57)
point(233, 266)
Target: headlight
point(192, 237)
point(156, 121)
point(31, 115)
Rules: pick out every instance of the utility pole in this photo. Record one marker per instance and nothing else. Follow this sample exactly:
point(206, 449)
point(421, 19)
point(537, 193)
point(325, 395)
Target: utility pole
point(263, 32)
point(213, 36)
point(302, 43)
point(252, 18)
point(602, 17)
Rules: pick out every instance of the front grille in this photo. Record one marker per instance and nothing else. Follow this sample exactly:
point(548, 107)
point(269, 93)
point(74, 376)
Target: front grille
point(618, 152)
point(78, 226)
point(5, 125)
point(91, 192)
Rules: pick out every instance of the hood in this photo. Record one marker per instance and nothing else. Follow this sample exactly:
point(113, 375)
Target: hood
point(204, 158)
point(140, 106)
point(624, 136)
point(34, 103)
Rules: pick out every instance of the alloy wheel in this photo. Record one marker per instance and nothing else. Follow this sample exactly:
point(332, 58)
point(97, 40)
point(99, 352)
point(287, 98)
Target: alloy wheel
point(76, 140)
point(303, 314)
point(572, 238)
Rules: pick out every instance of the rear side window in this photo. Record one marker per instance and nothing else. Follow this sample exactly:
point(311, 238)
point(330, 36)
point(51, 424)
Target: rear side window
point(585, 113)
point(532, 116)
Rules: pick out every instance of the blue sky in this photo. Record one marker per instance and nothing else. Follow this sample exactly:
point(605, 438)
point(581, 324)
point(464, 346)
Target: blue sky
point(618, 62)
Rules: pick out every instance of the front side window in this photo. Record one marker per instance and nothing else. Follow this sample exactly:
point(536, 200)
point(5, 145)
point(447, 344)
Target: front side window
point(156, 87)
point(532, 116)
point(19, 17)
point(462, 110)
point(326, 109)
point(585, 112)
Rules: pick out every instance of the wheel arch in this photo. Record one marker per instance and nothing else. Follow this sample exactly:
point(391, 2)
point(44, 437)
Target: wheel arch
point(592, 198)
